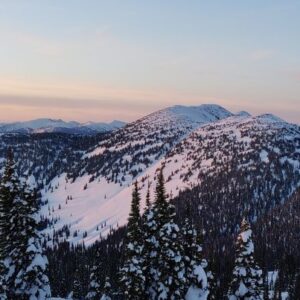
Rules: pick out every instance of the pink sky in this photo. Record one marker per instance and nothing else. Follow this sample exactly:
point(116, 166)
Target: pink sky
point(100, 61)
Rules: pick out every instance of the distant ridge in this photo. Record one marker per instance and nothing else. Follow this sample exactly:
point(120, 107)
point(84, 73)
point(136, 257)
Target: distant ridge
point(58, 125)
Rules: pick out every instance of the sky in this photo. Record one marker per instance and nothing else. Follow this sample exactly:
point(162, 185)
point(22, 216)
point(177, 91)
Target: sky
point(93, 60)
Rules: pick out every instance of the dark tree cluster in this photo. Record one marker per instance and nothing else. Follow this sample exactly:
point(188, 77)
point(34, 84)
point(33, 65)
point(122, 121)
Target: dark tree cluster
point(46, 155)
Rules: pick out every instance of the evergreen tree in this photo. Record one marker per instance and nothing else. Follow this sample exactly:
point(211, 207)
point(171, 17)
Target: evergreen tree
point(132, 274)
point(149, 252)
point(107, 290)
point(151, 228)
point(32, 282)
point(278, 287)
point(21, 228)
point(247, 282)
point(194, 263)
point(94, 286)
point(171, 267)
point(77, 286)
point(23, 274)
point(9, 191)
point(94, 289)
point(148, 202)
point(212, 286)
point(164, 256)
point(31, 264)
point(161, 205)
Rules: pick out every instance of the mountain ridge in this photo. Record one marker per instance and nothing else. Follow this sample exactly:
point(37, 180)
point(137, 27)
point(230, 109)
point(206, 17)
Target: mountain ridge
point(43, 125)
point(187, 148)
point(85, 182)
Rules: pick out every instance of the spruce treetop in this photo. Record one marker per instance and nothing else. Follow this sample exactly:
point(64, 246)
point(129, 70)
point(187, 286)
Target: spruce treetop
point(134, 215)
point(247, 276)
point(148, 202)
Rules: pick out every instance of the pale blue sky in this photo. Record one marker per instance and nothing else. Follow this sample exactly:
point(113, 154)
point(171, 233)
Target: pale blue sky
point(103, 60)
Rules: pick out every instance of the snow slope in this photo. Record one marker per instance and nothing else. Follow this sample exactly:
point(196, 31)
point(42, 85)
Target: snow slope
point(136, 147)
point(189, 143)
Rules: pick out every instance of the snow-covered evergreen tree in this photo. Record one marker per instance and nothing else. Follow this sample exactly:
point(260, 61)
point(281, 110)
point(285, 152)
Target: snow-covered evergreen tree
point(107, 290)
point(194, 263)
point(151, 227)
point(163, 255)
point(77, 292)
point(212, 285)
point(94, 289)
point(149, 252)
point(21, 229)
point(171, 267)
point(31, 264)
point(247, 282)
point(32, 280)
point(132, 276)
point(161, 205)
point(23, 265)
point(9, 192)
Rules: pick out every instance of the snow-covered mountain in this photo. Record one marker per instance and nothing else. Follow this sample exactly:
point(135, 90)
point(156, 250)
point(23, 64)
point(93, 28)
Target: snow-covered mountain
point(37, 124)
point(100, 126)
point(191, 143)
point(134, 148)
point(86, 181)
point(50, 125)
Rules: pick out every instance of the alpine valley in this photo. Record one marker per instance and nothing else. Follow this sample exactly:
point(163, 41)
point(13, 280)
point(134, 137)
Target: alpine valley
point(224, 165)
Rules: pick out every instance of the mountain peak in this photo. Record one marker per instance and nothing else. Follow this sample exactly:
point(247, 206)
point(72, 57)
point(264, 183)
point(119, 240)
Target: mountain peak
point(243, 113)
point(203, 113)
point(270, 118)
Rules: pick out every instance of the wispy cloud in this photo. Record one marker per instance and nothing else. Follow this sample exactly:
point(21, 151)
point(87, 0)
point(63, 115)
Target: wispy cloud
point(16, 108)
point(77, 91)
point(21, 99)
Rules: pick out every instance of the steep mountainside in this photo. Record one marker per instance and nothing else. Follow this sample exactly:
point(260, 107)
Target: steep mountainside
point(250, 163)
point(264, 145)
point(279, 230)
point(134, 148)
